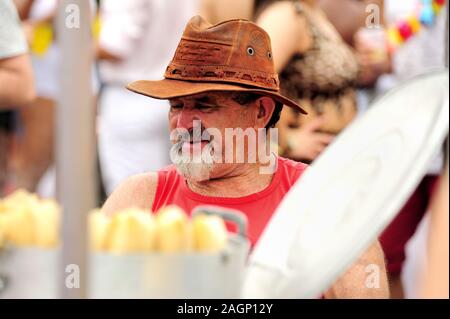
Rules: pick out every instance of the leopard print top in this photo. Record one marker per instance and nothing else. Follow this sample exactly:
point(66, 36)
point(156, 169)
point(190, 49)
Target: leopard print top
point(327, 71)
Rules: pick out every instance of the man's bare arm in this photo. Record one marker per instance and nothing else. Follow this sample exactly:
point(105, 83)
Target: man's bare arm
point(23, 8)
point(348, 16)
point(16, 82)
point(215, 11)
point(367, 278)
point(136, 191)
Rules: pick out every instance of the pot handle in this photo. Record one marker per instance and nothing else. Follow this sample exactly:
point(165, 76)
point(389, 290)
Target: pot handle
point(227, 214)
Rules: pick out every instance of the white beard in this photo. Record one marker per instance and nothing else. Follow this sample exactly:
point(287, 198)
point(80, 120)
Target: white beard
point(193, 167)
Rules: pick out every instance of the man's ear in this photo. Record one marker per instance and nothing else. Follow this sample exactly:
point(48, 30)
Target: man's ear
point(265, 107)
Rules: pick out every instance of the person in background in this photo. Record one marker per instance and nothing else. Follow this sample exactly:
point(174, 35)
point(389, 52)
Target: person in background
point(361, 24)
point(136, 40)
point(435, 278)
point(348, 16)
point(402, 240)
point(33, 151)
point(32, 158)
point(215, 11)
point(317, 68)
point(16, 78)
point(381, 70)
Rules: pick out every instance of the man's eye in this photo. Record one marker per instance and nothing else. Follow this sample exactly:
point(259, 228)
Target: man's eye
point(176, 106)
point(203, 107)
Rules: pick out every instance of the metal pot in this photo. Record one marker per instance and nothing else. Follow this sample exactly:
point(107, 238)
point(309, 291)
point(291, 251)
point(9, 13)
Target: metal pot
point(187, 275)
point(34, 273)
point(29, 273)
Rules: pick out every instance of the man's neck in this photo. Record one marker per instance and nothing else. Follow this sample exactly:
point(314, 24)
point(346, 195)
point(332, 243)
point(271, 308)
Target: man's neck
point(241, 181)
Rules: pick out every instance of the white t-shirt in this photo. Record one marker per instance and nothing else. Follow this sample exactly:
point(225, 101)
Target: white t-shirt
point(12, 39)
point(144, 33)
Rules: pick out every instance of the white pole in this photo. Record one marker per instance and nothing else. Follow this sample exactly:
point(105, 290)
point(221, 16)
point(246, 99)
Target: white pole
point(75, 143)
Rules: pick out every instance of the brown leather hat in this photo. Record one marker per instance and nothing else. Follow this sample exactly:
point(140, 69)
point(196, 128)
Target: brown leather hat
point(234, 55)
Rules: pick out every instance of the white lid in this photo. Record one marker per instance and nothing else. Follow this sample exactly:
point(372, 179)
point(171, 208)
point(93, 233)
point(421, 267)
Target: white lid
point(348, 196)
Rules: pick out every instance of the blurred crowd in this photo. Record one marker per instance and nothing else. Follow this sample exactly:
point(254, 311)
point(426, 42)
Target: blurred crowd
point(334, 57)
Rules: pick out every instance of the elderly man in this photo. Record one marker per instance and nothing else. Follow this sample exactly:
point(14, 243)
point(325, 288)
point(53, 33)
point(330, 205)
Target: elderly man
point(222, 78)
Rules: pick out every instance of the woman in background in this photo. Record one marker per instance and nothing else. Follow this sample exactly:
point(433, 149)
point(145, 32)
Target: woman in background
point(33, 151)
point(215, 11)
point(317, 68)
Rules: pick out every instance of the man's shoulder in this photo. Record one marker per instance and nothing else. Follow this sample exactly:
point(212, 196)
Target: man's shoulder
point(291, 170)
point(168, 169)
point(140, 182)
point(137, 190)
point(291, 165)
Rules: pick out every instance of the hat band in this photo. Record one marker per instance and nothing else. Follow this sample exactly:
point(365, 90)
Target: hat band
point(220, 73)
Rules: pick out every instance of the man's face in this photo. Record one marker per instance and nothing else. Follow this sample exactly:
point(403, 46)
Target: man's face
point(209, 115)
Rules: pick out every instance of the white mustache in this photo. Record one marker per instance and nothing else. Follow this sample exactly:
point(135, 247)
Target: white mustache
point(205, 157)
point(189, 136)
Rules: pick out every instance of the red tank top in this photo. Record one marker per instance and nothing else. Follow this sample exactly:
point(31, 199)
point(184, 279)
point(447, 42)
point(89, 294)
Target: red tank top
point(258, 207)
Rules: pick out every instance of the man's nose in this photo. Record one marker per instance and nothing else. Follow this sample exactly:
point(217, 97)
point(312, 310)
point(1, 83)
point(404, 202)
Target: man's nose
point(186, 119)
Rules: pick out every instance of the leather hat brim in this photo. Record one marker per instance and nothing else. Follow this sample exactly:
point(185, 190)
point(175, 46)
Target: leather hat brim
point(168, 89)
